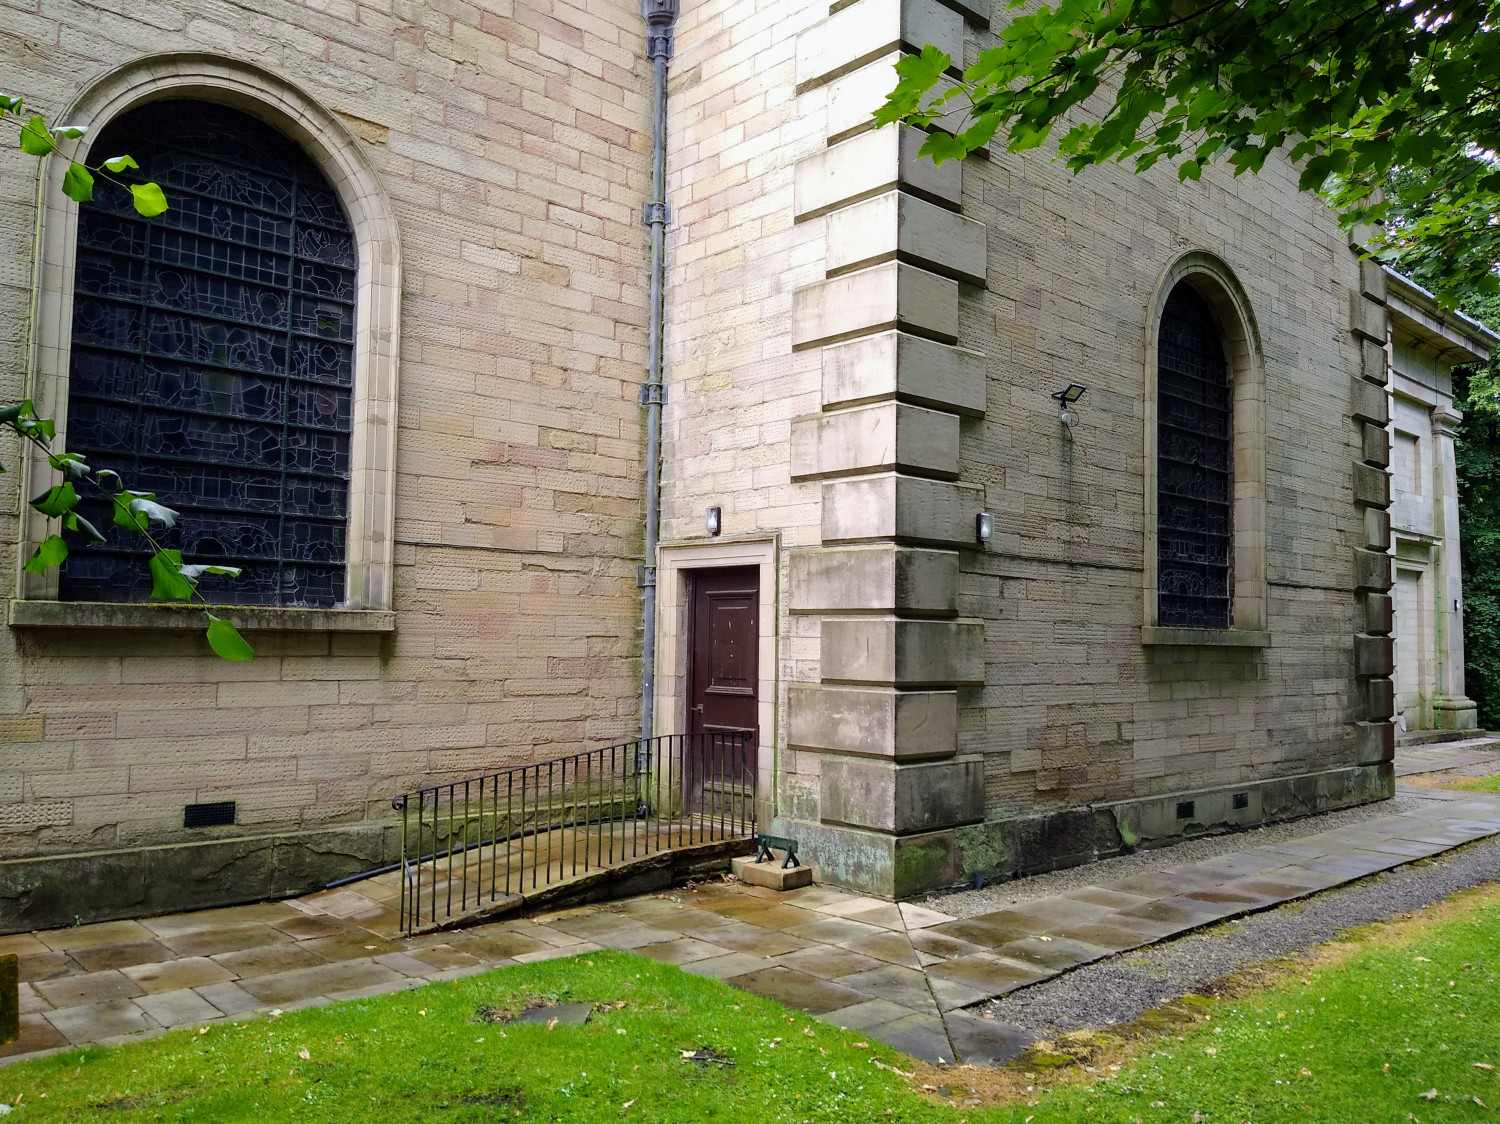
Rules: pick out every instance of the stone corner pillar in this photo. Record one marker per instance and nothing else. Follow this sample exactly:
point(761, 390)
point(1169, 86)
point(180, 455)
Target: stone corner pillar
point(1374, 703)
point(879, 728)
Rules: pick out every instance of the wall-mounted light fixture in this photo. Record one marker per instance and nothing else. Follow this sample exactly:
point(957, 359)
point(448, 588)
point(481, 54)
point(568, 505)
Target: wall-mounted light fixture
point(984, 526)
point(1066, 398)
point(713, 520)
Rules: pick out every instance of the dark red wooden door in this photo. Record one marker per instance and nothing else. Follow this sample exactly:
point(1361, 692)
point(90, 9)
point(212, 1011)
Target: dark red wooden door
point(724, 650)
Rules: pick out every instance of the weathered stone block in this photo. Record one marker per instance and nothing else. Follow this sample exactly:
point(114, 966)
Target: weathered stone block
point(909, 368)
point(1377, 529)
point(771, 874)
point(882, 576)
point(1379, 698)
point(1369, 402)
point(879, 438)
point(873, 300)
point(875, 862)
point(1372, 571)
point(1372, 280)
point(1374, 656)
point(975, 11)
point(901, 508)
point(853, 98)
point(1377, 612)
point(1374, 364)
point(902, 653)
point(873, 722)
point(1372, 486)
point(1377, 445)
point(1366, 318)
point(899, 225)
point(868, 29)
point(869, 164)
point(1374, 742)
point(902, 798)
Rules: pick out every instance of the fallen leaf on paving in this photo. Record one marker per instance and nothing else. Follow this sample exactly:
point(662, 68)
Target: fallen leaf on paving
point(1430, 1095)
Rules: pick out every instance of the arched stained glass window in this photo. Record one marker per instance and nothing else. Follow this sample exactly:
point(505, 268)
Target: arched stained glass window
point(1194, 448)
point(213, 358)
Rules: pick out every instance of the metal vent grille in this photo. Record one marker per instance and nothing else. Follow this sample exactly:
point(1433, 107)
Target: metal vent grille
point(1241, 801)
point(1185, 809)
point(218, 814)
point(1194, 467)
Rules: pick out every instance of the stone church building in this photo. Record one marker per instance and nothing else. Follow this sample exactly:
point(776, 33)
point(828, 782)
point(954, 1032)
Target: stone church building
point(1024, 517)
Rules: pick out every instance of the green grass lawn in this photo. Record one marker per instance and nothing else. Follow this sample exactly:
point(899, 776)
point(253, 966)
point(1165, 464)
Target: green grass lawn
point(1480, 784)
point(1408, 1012)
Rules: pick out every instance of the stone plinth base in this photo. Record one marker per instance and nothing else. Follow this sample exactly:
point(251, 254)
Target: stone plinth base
point(48, 891)
point(901, 866)
point(1456, 714)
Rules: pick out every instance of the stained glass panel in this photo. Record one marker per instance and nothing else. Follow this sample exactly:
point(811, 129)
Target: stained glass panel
point(213, 358)
point(1194, 467)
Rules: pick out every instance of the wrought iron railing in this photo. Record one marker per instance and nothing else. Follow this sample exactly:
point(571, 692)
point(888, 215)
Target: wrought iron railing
point(472, 844)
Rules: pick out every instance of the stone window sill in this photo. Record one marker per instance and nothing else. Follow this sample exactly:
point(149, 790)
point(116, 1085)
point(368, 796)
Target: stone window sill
point(249, 618)
point(1152, 636)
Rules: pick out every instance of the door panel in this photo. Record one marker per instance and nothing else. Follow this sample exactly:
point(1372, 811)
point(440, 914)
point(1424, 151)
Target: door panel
point(724, 642)
point(723, 685)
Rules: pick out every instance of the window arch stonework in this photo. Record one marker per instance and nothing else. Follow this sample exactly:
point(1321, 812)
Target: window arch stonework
point(341, 162)
point(1205, 495)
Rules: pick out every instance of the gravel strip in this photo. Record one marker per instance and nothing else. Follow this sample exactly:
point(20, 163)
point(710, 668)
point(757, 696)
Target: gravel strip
point(970, 903)
point(1120, 988)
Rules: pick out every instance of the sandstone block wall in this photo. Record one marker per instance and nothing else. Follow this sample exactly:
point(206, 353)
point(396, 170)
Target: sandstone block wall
point(512, 139)
point(898, 303)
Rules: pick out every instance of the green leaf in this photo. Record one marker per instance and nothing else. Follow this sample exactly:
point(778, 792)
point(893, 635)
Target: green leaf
point(10, 104)
point(226, 640)
point(35, 139)
point(57, 500)
point(193, 573)
point(167, 582)
point(69, 464)
point(148, 507)
point(120, 163)
point(78, 183)
point(52, 552)
point(148, 199)
point(8, 414)
point(75, 522)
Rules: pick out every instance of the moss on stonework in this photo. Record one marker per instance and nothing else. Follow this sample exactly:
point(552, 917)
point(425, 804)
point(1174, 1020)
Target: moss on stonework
point(920, 866)
point(981, 849)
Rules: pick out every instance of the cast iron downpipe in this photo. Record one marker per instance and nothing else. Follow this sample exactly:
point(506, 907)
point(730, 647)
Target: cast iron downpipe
point(659, 15)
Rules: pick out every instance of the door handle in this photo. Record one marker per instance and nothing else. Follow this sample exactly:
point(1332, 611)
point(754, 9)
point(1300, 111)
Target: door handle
point(699, 709)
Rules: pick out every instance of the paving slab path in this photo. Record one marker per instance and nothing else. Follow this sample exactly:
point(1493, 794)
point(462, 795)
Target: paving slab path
point(907, 975)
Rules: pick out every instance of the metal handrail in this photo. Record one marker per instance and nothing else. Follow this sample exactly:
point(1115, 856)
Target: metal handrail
point(469, 837)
